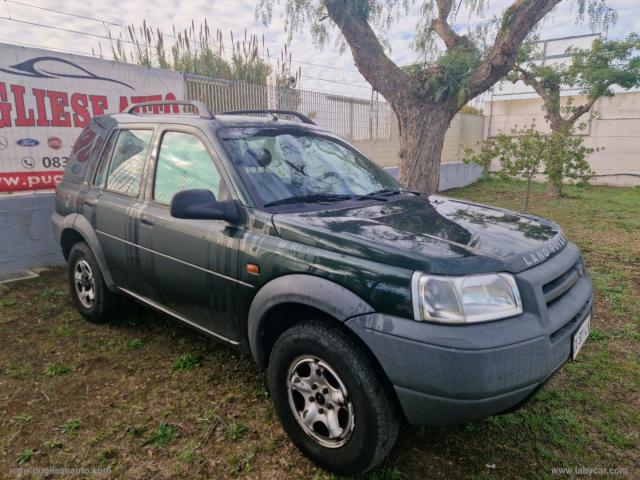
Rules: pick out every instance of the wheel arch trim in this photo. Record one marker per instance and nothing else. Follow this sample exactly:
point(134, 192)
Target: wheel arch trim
point(81, 225)
point(320, 293)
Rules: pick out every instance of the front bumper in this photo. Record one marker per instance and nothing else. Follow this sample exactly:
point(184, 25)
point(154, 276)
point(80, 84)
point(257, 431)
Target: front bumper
point(447, 374)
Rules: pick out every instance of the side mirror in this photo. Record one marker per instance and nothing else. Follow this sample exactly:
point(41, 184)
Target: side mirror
point(198, 204)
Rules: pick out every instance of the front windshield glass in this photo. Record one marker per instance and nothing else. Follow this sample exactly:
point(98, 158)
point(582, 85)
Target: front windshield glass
point(280, 164)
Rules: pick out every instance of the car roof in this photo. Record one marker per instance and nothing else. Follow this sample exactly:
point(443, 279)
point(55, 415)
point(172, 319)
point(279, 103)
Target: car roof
point(220, 120)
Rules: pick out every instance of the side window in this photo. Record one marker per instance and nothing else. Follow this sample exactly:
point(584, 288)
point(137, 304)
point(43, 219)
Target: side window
point(184, 163)
point(127, 161)
point(100, 179)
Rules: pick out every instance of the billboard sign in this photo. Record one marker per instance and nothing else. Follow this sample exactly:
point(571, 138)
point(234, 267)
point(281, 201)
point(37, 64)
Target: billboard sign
point(47, 98)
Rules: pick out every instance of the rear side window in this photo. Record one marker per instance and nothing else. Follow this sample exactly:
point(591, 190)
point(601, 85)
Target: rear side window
point(184, 163)
point(100, 179)
point(127, 161)
point(87, 146)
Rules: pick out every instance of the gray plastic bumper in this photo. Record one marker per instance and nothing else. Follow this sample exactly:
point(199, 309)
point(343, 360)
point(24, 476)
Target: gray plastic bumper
point(445, 374)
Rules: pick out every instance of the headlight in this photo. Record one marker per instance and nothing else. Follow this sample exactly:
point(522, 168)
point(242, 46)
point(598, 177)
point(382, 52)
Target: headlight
point(468, 299)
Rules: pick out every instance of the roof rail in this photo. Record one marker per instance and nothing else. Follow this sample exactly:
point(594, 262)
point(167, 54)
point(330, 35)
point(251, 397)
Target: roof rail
point(303, 118)
point(203, 110)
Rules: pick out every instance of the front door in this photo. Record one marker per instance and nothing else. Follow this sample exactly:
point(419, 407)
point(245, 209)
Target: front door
point(191, 264)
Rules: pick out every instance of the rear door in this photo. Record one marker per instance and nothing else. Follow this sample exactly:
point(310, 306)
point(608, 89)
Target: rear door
point(191, 264)
point(117, 204)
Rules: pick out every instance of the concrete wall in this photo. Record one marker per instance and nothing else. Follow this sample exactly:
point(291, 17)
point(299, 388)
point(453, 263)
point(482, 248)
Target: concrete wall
point(452, 175)
point(613, 126)
point(456, 175)
point(466, 130)
point(26, 240)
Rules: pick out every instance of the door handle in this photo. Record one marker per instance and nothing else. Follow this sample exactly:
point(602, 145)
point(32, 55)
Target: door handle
point(147, 220)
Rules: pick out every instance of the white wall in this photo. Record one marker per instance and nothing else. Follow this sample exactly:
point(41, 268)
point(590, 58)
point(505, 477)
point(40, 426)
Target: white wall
point(613, 126)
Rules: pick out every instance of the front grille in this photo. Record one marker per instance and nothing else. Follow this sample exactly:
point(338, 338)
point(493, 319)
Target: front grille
point(558, 287)
point(559, 333)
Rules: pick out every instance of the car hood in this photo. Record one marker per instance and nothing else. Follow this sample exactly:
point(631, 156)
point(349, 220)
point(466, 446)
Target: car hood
point(434, 234)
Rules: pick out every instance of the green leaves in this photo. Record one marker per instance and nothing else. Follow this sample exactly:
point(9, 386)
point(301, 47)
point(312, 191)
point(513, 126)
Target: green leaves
point(162, 436)
point(594, 71)
point(601, 16)
point(188, 361)
point(447, 77)
point(607, 63)
point(527, 152)
point(567, 158)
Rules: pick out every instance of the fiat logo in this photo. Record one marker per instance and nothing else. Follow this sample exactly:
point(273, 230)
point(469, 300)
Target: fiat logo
point(54, 143)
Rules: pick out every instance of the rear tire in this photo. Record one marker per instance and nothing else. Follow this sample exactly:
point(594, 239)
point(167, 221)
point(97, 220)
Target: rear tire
point(330, 399)
point(88, 289)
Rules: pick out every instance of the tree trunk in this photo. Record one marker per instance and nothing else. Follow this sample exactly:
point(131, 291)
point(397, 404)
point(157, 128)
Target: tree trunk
point(422, 131)
point(528, 194)
point(554, 170)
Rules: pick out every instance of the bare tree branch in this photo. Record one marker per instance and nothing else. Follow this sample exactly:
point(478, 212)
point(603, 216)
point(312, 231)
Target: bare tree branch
point(379, 70)
point(581, 110)
point(518, 21)
point(530, 80)
point(549, 92)
point(441, 24)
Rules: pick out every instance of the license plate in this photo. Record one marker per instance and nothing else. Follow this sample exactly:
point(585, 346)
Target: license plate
point(580, 336)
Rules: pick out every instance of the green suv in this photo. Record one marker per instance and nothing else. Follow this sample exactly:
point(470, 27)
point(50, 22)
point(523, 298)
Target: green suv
point(366, 302)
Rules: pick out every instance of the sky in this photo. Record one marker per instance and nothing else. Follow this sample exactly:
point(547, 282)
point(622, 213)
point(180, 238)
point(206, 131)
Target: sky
point(323, 70)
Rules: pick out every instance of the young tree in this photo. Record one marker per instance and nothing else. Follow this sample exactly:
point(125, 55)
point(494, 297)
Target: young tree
point(427, 95)
point(526, 152)
point(566, 158)
point(593, 71)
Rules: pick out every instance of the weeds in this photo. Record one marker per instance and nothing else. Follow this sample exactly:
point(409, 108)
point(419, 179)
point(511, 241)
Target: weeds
point(71, 426)
point(53, 369)
point(235, 431)
point(187, 361)
point(135, 344)
point(26, 456)
point(22, 418)
point(164, 435)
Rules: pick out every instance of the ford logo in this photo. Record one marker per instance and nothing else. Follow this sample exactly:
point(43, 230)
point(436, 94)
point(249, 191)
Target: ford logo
point(28, 142)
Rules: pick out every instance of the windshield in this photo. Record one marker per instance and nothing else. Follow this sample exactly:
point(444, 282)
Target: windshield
point(284, 165)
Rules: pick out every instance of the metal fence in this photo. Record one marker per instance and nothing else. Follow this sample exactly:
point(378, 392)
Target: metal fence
point(369, 124)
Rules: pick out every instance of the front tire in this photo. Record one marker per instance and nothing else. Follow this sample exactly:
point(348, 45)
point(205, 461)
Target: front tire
point(88, 289)
point(330, 399)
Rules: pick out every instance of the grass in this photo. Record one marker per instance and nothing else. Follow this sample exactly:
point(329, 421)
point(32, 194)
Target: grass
point(162, 436)
point(135, 344)
point(53, 370)
point(26, 456)
point(187, 361)
point(236, 430)
point(71, 426)
point(148, 397)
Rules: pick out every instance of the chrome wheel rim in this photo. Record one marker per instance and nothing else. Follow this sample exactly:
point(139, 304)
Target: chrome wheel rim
point(84, 283)
point(320, 402)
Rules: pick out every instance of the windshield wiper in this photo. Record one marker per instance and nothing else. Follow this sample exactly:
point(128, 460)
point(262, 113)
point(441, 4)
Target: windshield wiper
point(315, 198)
point(385, 192)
